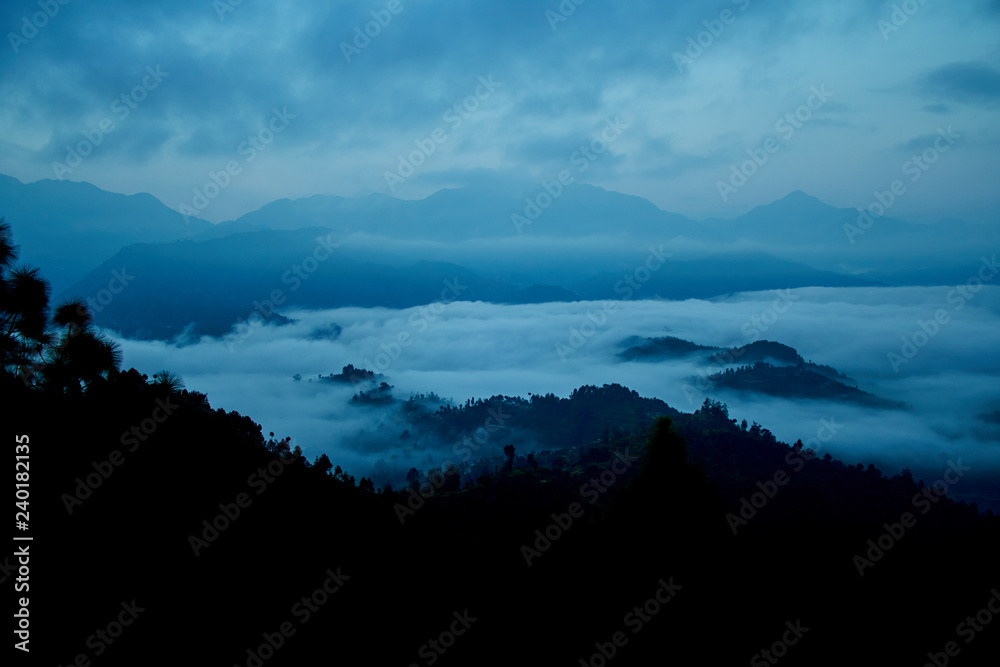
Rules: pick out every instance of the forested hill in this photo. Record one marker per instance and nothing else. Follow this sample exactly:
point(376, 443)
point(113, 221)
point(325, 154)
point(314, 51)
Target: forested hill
point(556, 556)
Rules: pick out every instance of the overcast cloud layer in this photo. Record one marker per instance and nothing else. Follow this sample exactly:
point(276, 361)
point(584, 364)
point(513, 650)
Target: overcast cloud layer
point(161, 96)
point(472, 349)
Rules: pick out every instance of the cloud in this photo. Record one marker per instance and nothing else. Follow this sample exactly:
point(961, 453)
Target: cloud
point(473, 349)
point(227, 72)
point(967, 82)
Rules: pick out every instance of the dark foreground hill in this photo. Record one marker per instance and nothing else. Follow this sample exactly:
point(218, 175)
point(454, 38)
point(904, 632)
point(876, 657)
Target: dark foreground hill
point(700, 539)
point(164, 531)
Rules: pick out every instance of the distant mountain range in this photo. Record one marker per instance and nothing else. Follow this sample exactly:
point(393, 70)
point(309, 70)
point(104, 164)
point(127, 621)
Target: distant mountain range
point(473, 213)
point(68, 228)
point(588, 243)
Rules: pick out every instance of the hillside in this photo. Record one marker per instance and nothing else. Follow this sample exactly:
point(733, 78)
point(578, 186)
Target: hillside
point(765, 367)
point(795, 382)
point(659, 514)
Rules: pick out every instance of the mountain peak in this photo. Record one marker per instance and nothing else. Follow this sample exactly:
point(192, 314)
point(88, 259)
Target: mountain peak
point(798, 195)
point(797, 205)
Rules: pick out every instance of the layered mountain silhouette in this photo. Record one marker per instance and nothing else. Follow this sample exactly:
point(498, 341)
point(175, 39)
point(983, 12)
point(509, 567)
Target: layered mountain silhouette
point(67, 228)
point(586, 243)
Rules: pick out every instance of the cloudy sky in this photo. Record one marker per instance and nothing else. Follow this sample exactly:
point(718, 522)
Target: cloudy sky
point(297, 100)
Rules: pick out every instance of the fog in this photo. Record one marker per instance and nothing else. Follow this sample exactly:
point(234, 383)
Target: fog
point(471, 349)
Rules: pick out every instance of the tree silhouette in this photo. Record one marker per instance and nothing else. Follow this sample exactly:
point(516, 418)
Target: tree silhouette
point(413, 478)
point(508, 451)
point(61, 355)
point(323, 464)
point(24, 303)
point(169, 381)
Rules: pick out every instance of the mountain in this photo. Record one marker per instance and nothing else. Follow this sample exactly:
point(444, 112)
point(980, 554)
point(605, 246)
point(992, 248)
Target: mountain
point(472, 213)
point(718, 274)
point(527, 246)
point(795, 382)
point(67, 227)
point(213, 284)
point(667, 347)
point(800, 219)
point(764, 366)
point(895, 251)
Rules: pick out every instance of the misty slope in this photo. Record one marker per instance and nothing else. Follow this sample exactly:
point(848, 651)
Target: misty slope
point(764, 367)
point(796, 382)
point(212, 284)
point(66, 227)
point(802, 227)
point(716, 275)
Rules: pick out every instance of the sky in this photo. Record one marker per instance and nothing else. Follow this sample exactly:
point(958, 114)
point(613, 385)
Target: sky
point(251, 101)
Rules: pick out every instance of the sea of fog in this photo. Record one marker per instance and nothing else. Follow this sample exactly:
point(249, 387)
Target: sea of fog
point(934, 348)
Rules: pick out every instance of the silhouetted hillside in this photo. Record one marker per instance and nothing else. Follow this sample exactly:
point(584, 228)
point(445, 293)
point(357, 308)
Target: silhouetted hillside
point(667, 347)
point(763, 366)
point(532, 543)
point(795, 382)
